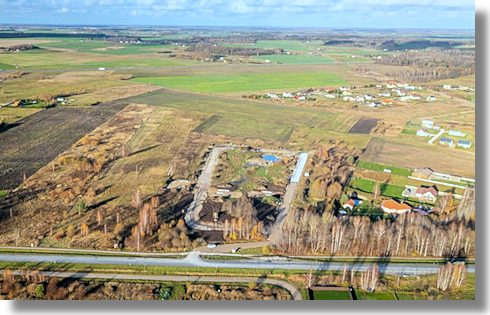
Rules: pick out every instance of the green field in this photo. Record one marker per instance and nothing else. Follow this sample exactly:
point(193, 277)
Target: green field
point(331, 295)
point(290, 45)
point(381, 167)
point(295, 59)
point(367, 185)
point(101, 47)
point(376, 295)
point(246, 82)
point(47, 59)
point(248, 119)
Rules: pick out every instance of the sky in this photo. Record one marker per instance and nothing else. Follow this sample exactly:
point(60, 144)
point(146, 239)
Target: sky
point(429, 14)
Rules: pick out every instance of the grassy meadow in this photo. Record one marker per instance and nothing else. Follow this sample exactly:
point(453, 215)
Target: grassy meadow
point(246, 82)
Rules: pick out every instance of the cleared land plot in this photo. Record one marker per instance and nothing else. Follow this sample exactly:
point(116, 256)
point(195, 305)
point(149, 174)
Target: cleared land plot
point(243, 118)
point(41, 137)
point(438, 158)
point(364, 126)
point(245, 82)
point(150, 152)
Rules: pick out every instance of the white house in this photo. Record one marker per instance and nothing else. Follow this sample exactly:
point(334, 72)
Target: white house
point(405, 98)
point(466, 144)
point(447, 87)
point(431, 98)
point(287, 95)
point(427, 123)
point(422, 133)
point(456, 133)
point(426, 194)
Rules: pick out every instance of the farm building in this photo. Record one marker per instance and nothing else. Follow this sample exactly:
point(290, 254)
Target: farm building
point(351, 203)
point(427, 123)
point(409, 191)
point(423, 173)
point(446, 141)
point(394, 207)
point(299, 167)
point(431, 98)
point(466, 144)
point(422, 133)
point(428, 194)
point(456, 133)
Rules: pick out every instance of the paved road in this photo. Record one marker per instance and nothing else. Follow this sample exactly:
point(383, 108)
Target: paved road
point(113, 276)
point(193, 259)
point(227, 248)
point(201, 190)
point(440, 133)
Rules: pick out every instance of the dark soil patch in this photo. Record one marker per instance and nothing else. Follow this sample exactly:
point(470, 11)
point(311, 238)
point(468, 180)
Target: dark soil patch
point(364, 125)
point(39, 138)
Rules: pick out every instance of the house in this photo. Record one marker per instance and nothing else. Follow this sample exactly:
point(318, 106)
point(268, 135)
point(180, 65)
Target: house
point(446, 141)
point(466, 144)
point(431, 98)
point(351, 203)
point(423, 133)
point(102, 69)
point(423, 173)
point(330, 96)
point(368, 97)
point(456, 133)
point(272, 96)
point(428, 194)
point(346, 93)
point(409, 191)
point(427, 123)
point(394, 207)
point(287, 95)
point(344, 88)
point(385, 94)
point(447, 87)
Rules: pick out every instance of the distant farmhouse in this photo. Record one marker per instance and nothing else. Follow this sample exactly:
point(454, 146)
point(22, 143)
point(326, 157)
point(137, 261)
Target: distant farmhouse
point(466, 144)
point(446, 141)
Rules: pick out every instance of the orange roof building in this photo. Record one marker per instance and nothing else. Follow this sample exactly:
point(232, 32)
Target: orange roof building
point(393, 207)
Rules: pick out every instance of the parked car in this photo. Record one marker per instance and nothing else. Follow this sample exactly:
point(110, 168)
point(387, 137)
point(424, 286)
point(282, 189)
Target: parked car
point(212, 245)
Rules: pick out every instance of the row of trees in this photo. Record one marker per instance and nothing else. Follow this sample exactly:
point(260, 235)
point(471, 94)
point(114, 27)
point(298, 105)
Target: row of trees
point(244, 223)
point(431, 64)
point(305, 232)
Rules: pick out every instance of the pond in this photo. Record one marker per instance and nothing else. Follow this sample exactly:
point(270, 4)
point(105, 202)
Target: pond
point(270, 158)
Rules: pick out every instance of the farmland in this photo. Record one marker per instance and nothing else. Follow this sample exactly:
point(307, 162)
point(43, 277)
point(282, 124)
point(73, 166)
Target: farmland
point(167, 140)
point(41, 137)
point(245, 82)
point(296, 59)
point(243, 118)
